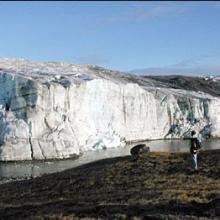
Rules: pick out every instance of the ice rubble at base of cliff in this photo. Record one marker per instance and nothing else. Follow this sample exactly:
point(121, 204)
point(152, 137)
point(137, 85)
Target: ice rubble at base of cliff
point(55, 110)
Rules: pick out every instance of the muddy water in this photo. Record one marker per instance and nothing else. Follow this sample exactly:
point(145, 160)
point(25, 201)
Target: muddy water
point(25, 170)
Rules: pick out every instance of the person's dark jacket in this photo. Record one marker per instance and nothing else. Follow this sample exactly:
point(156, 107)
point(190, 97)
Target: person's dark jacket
point(195, 145)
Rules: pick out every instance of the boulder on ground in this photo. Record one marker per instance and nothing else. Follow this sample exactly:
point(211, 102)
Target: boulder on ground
point(139, 149)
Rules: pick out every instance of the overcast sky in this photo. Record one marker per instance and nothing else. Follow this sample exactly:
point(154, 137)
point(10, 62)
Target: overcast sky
point(156, 37)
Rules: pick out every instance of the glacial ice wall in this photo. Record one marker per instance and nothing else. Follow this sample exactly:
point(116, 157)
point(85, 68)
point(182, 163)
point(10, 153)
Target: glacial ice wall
point(47, 115)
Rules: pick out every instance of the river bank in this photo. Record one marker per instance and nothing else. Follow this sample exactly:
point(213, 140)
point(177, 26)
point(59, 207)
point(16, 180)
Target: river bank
point(12, 171)
point(158, 186)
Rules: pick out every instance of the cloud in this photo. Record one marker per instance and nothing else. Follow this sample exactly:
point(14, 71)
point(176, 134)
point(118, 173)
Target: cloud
point(193, 71)
point(185, 67)
point(91, 59)
point(215, 4)
point(143, 14)
point(140, 14)
point(194, 60)
point(130, 15)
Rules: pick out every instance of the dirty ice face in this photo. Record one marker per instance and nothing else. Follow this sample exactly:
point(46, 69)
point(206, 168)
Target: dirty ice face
point(56, 110)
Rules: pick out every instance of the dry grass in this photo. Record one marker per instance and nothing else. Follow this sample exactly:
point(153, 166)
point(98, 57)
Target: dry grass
point(158, 184)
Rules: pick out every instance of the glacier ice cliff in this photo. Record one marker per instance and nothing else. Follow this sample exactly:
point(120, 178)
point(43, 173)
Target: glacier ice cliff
point(57, 110)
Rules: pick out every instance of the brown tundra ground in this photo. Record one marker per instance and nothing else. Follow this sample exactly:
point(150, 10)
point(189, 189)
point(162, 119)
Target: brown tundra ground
point(156, 186)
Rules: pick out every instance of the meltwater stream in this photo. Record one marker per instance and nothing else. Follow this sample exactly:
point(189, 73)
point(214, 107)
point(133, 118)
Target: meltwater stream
point(25, 170)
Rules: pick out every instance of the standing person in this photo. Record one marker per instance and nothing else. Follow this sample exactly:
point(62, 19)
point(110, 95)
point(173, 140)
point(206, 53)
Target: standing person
point(194, 149)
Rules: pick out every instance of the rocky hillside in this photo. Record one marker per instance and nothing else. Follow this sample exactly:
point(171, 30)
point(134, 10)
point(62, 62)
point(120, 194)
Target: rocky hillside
point(57, 110)
point(210, 85)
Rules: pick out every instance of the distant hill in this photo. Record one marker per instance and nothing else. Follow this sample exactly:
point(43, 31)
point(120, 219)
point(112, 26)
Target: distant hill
point(210, 85)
